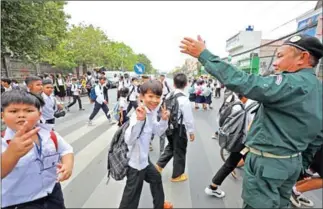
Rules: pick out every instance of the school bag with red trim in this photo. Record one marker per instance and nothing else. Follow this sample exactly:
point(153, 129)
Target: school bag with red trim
point(52, 136)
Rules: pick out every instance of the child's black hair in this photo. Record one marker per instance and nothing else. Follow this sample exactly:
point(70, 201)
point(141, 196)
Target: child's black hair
point(21, 97)
point(156, 87)
point(124, 91)
point(74, 79)
point(193, 82)
point(6, 80)
point(180, 80)
point(47, 82)
point(31, 79)
point(134, 79)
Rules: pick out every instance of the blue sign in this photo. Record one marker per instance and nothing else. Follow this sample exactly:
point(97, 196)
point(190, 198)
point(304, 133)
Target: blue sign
point(308, 22)
point(139, 68)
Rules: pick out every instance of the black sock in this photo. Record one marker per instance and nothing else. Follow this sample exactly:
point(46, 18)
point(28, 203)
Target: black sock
point(213, 188)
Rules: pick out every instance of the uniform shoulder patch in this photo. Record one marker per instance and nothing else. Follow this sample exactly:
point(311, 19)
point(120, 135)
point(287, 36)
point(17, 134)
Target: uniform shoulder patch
point(279, 79)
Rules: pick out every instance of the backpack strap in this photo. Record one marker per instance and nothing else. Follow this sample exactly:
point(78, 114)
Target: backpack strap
point(167, 86)
point(132, 90)
point(54, 139)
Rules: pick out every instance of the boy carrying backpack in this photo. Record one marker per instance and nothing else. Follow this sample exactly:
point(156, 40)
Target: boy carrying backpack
point(181, 121)
point(128, 154)
point(236, 115)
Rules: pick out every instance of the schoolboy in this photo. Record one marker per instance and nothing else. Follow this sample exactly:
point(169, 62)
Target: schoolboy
point(177, 142)
point(34, 159)
point(140, 167)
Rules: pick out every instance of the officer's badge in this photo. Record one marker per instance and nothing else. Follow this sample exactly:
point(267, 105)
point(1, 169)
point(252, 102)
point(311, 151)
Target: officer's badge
point(279, 79)
point(295, 39)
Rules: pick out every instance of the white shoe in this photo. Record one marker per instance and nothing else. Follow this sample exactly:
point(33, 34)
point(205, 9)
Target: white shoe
point(90, 123)
point(217, 193)
point(305, 201)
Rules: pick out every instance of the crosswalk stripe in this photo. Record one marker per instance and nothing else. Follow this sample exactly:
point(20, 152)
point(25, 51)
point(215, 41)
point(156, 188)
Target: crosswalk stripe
point(88, 153)
point(81, 131)
point(113, 191)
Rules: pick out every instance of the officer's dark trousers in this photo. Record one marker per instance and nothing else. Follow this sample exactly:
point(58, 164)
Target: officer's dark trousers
point(132, 104)
point(96, 109)
point(74, 101)
point(53, 200)
point(268, 182)
point(229, 165)
point(177, 144)
point(132, 191)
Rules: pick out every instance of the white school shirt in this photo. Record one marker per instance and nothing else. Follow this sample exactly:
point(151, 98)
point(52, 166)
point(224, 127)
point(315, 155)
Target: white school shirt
point(75, 90)
point(99, 93)
point(139, 148)
point(60, 82)
point(121, 84)
point(134, 93)
point(123, 103)
point(127, 83)
point(165, 89)
point(26, 182)
point(186, 109)
point(48, 110)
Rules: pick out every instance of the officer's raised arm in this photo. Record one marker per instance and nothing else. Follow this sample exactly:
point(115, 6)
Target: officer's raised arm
point(263, 89)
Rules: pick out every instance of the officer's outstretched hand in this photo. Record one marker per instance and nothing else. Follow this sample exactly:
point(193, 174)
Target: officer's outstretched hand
point(193, 47)
point(23, 141)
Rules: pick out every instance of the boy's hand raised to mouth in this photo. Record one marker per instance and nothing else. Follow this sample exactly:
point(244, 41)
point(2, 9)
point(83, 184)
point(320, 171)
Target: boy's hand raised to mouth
point(141, 113)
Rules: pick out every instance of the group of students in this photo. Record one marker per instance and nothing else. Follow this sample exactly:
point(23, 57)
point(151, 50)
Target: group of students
point(201, 91)
point(35, 158)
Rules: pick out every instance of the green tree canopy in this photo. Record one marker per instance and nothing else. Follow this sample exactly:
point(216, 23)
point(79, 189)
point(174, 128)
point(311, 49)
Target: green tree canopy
point(30, 28)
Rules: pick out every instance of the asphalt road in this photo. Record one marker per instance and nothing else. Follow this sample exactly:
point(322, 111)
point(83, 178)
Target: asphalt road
point(87, 189)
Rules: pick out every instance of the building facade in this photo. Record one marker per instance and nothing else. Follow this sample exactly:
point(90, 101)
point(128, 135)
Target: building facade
point(241, 42)
point(313, 17)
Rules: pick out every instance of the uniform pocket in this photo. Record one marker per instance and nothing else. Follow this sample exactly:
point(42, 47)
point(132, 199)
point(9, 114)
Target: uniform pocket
point(274, 173)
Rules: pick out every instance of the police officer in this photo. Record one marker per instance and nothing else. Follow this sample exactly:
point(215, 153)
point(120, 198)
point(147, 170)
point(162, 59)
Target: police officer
point(288, 121)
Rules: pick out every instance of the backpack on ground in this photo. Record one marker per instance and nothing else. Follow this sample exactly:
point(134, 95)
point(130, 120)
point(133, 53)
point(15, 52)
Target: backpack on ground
point(172, 106)
point(117, 164)
point(52, 136)
point(232, 131)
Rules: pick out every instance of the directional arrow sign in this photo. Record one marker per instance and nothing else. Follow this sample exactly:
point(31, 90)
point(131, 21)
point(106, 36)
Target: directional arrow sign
point(139, 68)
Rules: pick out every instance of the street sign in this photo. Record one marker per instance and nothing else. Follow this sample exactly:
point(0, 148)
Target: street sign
point(139, 68)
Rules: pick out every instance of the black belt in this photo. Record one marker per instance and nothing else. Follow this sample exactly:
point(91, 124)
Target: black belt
point(50, 121)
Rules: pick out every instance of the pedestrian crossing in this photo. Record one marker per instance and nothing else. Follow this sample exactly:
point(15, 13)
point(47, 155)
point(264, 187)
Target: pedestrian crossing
point(87, 186)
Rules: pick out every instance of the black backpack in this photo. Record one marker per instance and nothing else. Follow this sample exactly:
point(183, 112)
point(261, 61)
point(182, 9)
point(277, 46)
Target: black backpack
point(117, 164)
point(226, 109)
point(232, 132)
point(172, 106)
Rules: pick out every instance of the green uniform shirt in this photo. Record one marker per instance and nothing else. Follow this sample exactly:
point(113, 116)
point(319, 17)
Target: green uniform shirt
point(290, 115)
